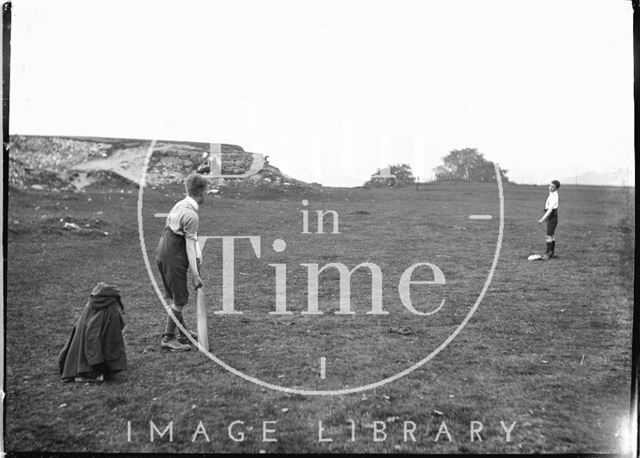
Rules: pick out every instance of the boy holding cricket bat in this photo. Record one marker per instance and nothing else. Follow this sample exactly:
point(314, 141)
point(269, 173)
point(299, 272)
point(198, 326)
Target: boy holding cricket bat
point(178, 251)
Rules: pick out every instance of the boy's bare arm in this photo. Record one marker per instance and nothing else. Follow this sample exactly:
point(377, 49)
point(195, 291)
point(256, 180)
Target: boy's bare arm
point(546, 215)
point(198, 255)
point(193, 263)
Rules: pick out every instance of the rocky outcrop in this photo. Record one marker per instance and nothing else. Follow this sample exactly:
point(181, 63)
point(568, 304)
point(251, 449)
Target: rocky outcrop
point(74, 163)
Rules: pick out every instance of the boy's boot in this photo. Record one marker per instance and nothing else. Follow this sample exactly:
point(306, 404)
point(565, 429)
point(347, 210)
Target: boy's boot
point(169, 340)
point(553, 249)
point(182, 338)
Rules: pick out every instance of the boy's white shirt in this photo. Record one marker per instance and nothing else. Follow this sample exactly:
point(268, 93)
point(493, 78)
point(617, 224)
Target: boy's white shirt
point(192, 201)
point(552, 201)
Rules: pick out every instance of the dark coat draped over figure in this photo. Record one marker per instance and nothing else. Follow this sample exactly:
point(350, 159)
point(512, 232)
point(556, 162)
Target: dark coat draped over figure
point(96, 344)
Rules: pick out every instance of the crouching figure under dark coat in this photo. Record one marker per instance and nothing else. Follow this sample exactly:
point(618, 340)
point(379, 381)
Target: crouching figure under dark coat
point(95, 349)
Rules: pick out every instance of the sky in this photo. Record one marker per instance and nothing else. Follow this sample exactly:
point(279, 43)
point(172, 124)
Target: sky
point(332, 90)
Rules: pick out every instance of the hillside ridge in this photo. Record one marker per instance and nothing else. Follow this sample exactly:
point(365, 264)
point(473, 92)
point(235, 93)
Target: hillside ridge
point(75, 163)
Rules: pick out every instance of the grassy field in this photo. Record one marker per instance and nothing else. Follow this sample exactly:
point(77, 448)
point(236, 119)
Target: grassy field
point(548, 347)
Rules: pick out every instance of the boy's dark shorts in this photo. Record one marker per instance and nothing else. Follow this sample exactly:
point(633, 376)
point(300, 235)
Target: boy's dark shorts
point(173, 265)
point(552, 222)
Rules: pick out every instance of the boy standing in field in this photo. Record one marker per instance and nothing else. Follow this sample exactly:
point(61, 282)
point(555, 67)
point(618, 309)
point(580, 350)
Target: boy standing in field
point(178, 251)
point(551, 217)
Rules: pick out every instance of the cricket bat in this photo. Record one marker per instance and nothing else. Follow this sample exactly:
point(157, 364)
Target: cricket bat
point(201, 315)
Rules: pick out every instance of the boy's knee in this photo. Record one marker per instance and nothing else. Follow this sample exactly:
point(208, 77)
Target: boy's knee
point(549, 238)
point(177, 308)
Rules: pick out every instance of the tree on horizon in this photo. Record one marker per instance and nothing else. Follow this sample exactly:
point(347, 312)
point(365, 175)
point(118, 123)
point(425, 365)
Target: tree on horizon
point(469, 165)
